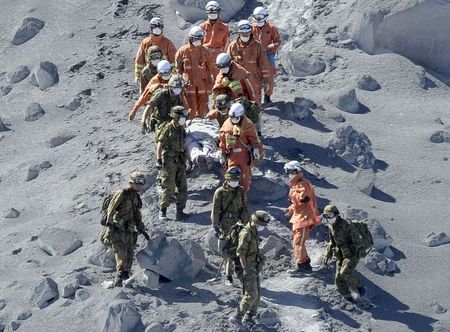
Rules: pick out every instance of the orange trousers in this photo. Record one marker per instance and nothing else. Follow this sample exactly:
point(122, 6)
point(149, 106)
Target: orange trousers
point(240, 159)
point(197, 102)
point(299, 244)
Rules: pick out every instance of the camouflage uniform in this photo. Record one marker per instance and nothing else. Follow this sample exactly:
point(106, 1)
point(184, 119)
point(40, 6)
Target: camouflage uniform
point(341, 244)
point(229, 207)
point(124, 223)
point(146, 75)
point(173, 171)
point(252, 110)
point(248, 247)
point(161, 103)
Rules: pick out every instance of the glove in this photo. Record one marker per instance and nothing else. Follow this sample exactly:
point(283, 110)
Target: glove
point(271, 46)
point(287, 213)
point(225, 81)
point(217, 232)
point(256, 154)
point(136, 80)
point(305, 200)
point(324, 260)
point(145, 234)
point(158, 164)
point(143, 128)
point(266, 87)
point(222, 160)
point(132, 114)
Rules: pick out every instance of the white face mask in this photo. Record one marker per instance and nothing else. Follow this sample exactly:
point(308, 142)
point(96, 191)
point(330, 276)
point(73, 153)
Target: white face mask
point(197, 43)
point(233, 184)
point(225, 70)
point(166, 77)
point(156, 31)
point(235, 120)
point(176, 91)
point(260, 24)
point(245, 39)
point(291, 176)
point(182, 121)
point(259, 228)
point(155, 62)
point(213, 16)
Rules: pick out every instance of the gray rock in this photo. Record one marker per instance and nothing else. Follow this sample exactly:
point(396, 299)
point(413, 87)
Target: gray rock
point(3, 126)
point(276, 247)
point(159, 327)
point(44, 293)
point(2, 304)
point(24, 315)
point(45, 75)
point(29, 28)
point(122, 316)
point(211, 242)
point(58, 242)
point(440, 309)
point(74, 104)
point(14, 325)
point(61, 139)
point(82, 294)
point(388, 252)
point(368, 83)
point(372, 260)
point(6, 90)
point(102, 256)
point(440, 137)
point(434, 240)
point(12, 213)
point(269, 317)
point(69, 288)
point(298, 110)
point(34, 112)
point(19, 74)
point(355, 214)
point(380, 239)
point(336, 116)
point(45, 165)
point(82, 279)
point(267, 189)
point(32, 174)
point(300, 65)
point(391, 266)
point(352, 146)
point(346, 100)
point(196, 259)
point(150, 279)
point(365, 179)
point(193, 11)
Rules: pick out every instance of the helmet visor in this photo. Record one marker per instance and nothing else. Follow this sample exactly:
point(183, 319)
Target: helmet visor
point(259, 18)
point(155, 56)
point(138, 180)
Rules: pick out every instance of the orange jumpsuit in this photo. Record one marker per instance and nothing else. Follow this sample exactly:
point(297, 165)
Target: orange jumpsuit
point(216, 38)
point(168, 50)
point(195, 65)
point(155, 83)
point(240, 83)
point(235, 141)
point(267, 35)
point(304, 215)
point(253, 58)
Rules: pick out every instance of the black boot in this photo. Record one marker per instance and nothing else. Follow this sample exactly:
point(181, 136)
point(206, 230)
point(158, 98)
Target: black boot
point(180, 215)
point(163, 214)
point(304, 267)
point(117, 281)
point(361, 290)
point(267, 99)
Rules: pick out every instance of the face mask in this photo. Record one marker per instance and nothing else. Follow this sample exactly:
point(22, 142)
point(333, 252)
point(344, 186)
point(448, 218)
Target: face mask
point(260, 24)
point(225, 70)
point(182, 121)
point(259, 228)
point(155, 62)
point(197, 43)
point(233, 184)
point(166, 77)
point(213, 16)
point(223, 111)
point(176, 91)
point(235, 120)
point(156, 31)
point(291, 176)
point(245, 39)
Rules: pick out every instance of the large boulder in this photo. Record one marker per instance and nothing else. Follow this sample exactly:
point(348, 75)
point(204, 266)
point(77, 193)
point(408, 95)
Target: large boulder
point(194, 10)
point(365, 180)
point(434, 240)
point(102, 256)
point(60, 139)
point(12, 214)
point(122, 316)
point(45, 75)
point(34, 112)
point(379, 264)
point(299, 109)
point(19, 74)
point(381, 240)
point(29, 28)
point(196, 259)
point(58, 242)
point(300, 65)
point(368, 83)
point(275, 247)
point(211, 241)
point(441, 136)
point(44, 293)
point(352, 146)
point(267, 189)
point(345, 99)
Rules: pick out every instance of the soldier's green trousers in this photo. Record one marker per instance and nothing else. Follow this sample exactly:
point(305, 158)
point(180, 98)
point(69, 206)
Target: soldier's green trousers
point(123, 245)
point(344, 275)
point(173, 180)
point(225, 228)
point(251, 290)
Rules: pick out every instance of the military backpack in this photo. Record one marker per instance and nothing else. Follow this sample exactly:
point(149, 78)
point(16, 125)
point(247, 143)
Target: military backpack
point(363, 241)
point(105, 205)
point(232, 241)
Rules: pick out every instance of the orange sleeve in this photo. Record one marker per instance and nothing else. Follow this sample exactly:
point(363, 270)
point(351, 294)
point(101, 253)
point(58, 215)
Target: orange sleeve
point(263, 64)
point(212, 115)
point(276, 39)
point(179, 61)
point(139, 62)
point(171, 51)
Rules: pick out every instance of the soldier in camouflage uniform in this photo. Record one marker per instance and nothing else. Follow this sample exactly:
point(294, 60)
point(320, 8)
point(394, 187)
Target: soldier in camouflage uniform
point(221, 107)
point(343, 247)
point(124, 222)
point(230, 206)
point(171, 161)
point(250, 267)
point(153, 57)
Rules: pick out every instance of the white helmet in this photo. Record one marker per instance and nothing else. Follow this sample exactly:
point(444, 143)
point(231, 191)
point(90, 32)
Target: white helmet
point(164, 67)
point(196, 32)
point(223, 60)
point(260, 14)
point(156, 22)
point(292, 166)
point(236, 110)
point(212, 7)
point(244, 26)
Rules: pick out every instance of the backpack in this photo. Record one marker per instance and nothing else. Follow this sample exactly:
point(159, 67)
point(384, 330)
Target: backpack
point(363, 241)
point(105, 205)
point(252, 109)
point(231, 241)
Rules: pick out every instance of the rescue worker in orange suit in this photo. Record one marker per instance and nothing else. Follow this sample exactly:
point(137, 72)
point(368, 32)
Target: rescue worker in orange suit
point(233, 80)
point(249, 53)
point(303, 213)
point(195, 64)
point(156, 37)
point(239, 143)
point(216, 32)
point(160, 80)
point(267, 34)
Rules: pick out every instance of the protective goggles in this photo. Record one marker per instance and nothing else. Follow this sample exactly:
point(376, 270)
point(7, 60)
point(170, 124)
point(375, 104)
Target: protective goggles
point(291, 171)
point(138, 180)
point(155, 56)
point(259, 18)
point(234, 170)
point(244, 29)
point(157, 25)
point(212, 11)
point(222, 65)
point(184, 113)
point(328, 215)
point(165, 72)
point(235, 118)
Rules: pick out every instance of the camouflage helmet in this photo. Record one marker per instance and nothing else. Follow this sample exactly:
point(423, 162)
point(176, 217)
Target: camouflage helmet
point(261, 218)
point(330, 209)
point(154, 53)
point(223, 101)
point(176, 81)
point(178, 111)
point(233, 173)
point(137, 178)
